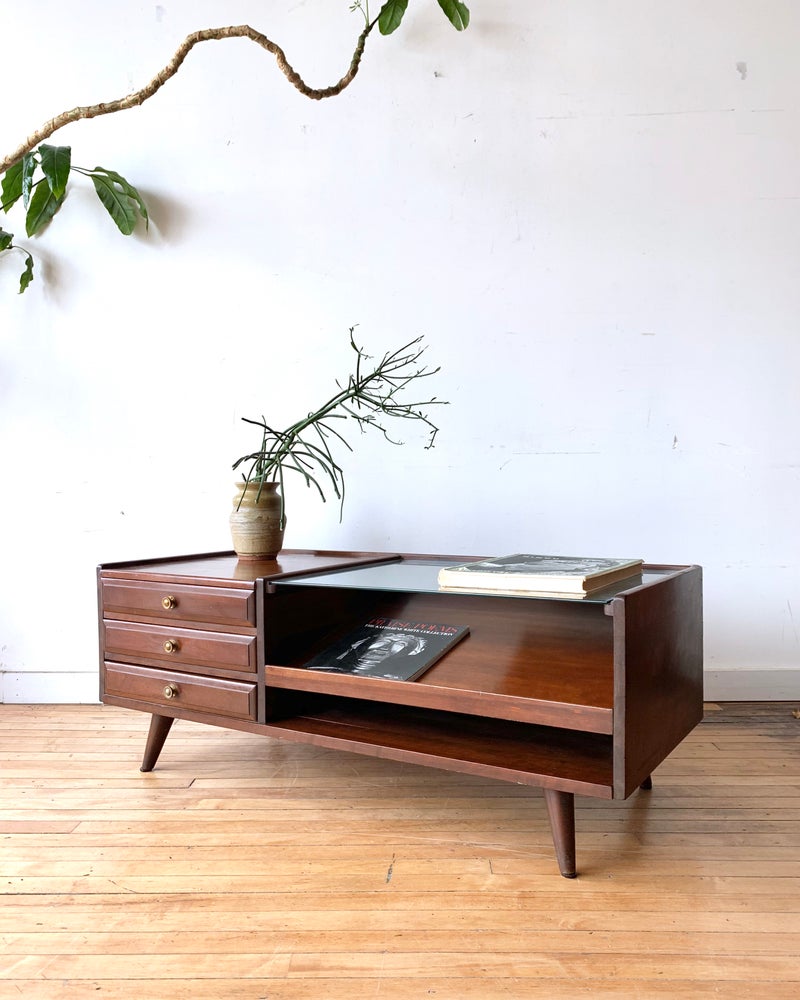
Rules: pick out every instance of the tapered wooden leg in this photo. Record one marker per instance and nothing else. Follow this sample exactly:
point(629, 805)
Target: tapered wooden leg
point(561, 811)
point(647, 784)
point(160, 726)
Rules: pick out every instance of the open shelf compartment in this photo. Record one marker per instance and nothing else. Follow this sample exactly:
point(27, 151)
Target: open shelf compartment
point(512, 751)
point(543, 663)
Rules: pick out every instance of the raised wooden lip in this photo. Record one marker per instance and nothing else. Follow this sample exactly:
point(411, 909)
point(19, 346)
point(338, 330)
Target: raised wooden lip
point(151, 570)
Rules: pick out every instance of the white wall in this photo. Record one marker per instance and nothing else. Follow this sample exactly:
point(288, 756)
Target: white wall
point(590, 209)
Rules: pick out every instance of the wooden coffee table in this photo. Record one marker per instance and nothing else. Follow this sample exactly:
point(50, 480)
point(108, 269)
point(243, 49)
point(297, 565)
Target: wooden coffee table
point(582, 696)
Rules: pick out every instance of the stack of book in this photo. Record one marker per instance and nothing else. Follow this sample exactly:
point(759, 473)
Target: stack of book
point(561, 576)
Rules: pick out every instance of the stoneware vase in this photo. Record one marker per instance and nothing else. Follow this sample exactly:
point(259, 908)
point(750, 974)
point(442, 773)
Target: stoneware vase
point(256, 521)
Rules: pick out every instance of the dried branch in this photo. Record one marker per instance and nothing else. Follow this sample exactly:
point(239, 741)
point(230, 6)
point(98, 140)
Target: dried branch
point(209, 34)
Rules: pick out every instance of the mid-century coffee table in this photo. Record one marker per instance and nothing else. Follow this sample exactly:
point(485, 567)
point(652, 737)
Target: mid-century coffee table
point(583, 696)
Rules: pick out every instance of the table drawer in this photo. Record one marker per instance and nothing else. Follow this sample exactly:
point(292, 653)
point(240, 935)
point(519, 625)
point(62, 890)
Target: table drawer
point(228, 651)
point(170, 688)
point(179, 602)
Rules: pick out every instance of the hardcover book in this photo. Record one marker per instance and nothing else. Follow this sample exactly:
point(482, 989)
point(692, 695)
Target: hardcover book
point(393, 648)
point(533, 574)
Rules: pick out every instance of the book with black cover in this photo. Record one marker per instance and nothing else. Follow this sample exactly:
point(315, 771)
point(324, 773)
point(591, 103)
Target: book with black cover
point(535, 574)
point(393, 648)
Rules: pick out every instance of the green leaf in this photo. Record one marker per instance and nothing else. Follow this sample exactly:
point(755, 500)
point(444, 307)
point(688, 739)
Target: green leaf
point(55, 167)
point(11, 187)
point(29, 164)
point(456, 12)
point(391, 15)
point(116, 203)
point(43, 206)
point(120, 198)
point(27, 275)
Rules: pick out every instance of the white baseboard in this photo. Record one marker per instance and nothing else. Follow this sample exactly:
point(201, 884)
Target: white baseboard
point(54, 688)
point(60, 688)
point(752, 685)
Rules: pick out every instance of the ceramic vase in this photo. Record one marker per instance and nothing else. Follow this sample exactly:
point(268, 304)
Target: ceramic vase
point(255, 521)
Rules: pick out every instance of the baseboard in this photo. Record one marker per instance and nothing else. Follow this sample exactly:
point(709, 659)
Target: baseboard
point(54, 688)
point(62, 688)
point(751, 685)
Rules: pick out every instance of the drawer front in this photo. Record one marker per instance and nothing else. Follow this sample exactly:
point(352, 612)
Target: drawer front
point(179, 602)
point(172, 689)
point(179, 645)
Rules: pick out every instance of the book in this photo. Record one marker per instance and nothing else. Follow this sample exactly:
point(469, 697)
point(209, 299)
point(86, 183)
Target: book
point(393, 648)
point(574, 576)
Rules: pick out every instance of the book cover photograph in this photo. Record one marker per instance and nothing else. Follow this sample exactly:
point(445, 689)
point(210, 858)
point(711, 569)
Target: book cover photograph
point(392, 648)
point(538, 574)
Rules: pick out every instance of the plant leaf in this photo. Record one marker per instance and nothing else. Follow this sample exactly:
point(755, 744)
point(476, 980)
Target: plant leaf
point(12, 186)
point(119, 192)
point(129, 189)
point(55, 167)
point(391, 15)
point(5, 239)
point(116, 202)
point(27, 275)
point(29, 163)
point(456, 12)
point(43, 206)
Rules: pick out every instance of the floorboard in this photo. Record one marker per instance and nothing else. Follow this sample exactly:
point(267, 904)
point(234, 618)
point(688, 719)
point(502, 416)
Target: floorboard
point(243, 867)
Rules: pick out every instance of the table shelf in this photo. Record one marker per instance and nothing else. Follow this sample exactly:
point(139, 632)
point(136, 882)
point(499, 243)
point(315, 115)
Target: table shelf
point(544, 662)
point(512, 751)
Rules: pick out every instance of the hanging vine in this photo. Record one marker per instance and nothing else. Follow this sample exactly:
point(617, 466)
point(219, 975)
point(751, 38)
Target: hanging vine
point(38, 173)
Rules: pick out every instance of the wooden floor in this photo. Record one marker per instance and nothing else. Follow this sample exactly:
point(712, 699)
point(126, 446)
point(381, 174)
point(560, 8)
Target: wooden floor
point(247, 868)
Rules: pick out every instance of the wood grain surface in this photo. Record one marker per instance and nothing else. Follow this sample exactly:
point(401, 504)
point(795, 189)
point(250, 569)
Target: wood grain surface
point(245, 867)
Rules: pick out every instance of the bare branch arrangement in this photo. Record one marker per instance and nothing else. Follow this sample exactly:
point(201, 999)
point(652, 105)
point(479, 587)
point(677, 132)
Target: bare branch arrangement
point(371, 393)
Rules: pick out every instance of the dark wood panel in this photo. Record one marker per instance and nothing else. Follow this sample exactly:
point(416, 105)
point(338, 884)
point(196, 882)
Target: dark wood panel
point(179, 692)
point(178, 602)
point(659, 674)
point(546, 713)
point(179, 645)
point(308, 618)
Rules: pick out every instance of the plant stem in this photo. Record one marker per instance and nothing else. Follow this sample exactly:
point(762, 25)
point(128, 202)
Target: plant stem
point(138, 97)
point(363, 398)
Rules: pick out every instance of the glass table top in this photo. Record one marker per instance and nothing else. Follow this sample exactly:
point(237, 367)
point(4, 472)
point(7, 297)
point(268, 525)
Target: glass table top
point(420, 576)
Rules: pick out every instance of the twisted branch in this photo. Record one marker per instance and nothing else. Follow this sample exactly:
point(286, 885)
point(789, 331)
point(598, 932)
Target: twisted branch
point(209, 34)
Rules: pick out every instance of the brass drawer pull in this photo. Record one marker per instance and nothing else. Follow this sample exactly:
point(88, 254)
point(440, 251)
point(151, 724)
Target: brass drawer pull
point(171, 691)
point(168, 603)
point(172, 646)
